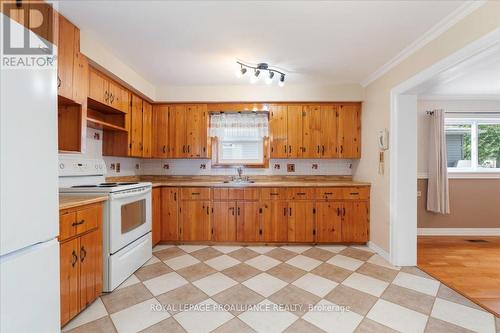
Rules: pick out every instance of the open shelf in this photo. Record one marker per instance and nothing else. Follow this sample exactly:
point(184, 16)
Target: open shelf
point(103, 108)
point(102, 125)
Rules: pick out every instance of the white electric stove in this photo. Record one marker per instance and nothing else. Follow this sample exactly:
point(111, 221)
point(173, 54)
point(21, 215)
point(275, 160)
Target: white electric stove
point(127, 242)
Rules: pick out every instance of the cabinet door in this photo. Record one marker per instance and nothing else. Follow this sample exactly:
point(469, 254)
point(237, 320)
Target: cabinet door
point(329, 143)
point(98, 87)
point(349, 130)
point(177, 131)
point(195, 220)
point(160, 131)
point(69, 272)
point(311, 139)
point(169, 214)
point(156, 203)
point(90, 267)
point(118, 97)
point(274, 225)
point(301, 221)
point(147, 112)
point(248, 221)
point(196, 130)
point(278, 131)
point(224, 221)
point(294, 130)
point(355, 221)
point(136, 127)
point(328, 221)
point(65, 57)
point(80, 72)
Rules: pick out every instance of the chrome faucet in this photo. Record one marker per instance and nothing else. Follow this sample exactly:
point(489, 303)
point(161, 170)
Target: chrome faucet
point(240, 172)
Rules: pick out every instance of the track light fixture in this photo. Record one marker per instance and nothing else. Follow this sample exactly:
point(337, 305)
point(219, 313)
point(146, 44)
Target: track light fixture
point(257, 70)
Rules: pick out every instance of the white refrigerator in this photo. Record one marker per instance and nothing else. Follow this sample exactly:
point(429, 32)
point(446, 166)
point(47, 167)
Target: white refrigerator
point(29, 250)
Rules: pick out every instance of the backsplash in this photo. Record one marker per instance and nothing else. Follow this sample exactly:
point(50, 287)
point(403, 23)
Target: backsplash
point(183, 167)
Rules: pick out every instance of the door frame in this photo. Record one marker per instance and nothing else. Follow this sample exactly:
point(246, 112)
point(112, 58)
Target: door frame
point(403, 152)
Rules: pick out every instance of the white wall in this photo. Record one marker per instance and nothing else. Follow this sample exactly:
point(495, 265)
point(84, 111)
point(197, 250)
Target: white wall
point(255, 93)
point(465, 106)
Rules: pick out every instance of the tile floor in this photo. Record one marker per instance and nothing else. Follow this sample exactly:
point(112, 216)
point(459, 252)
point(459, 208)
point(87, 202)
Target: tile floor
point(317, 289)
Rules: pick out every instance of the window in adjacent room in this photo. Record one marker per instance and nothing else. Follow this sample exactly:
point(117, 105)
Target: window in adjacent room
point(239, 138)
point(473, 144)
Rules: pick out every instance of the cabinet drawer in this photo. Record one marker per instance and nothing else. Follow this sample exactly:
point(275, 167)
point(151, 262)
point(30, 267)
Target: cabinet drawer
point(66, 227)
point(300, 193)
point(274, 193)
point(329, 193)
point(78, 221)
point(195, 193)
point(355, 193)
point(220, 194)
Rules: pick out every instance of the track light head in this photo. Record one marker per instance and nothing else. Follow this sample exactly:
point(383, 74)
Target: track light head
point(255, 77)
point(257, 72)
point(281, 82)
point(241, 71)
point(269, 79)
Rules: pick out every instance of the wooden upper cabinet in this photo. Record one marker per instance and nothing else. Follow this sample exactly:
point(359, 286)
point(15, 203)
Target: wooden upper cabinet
point(66, 57)
point(147, 112)
point(311, 131)
point(294, 130)
point(118, 97)
point(329, 136)
point(177, 131)
point(98, 86)
point(278, 125)
point(160, 131)
point(349, 131)
point(196, 131)
point(80, 72)
point(135, 133)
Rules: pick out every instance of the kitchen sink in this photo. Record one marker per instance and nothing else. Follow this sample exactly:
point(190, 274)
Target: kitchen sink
point(241, 181)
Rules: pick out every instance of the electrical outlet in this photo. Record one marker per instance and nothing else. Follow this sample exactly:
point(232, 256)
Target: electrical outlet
point(112, 166)
point(277, 166)
point(97, 136)
point(290, 167)
point(419, 194)
point(166, 166)
point(203, 166)
point(315, 166)
point(137, 166)
point(117, 167)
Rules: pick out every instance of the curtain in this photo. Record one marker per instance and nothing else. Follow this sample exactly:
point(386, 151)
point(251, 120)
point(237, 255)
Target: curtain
point(239, 125)
point(437, 186)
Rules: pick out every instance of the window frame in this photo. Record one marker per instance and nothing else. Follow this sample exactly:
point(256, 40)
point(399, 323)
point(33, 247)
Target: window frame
point(474, 122)
point(217, 164)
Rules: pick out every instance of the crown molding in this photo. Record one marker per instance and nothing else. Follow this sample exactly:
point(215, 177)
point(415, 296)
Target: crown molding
point(438, 29)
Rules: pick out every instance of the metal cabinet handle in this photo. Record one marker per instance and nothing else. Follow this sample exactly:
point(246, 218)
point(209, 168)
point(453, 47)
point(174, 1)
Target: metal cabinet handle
point(289, 149)
point(290, 210)
point(189, 147)
point(300, 193)
point(207, 211)
point(106, 96)
point(318, 149)
point(341, 149)
point(111, 98)
point(183, 148)
point(323, 149)
point(74, 224)
point(195, 193)
point(238, 211)
point(285, 148)
point(83, 253)
point(175, 196)
point(354, 193)
point(343, 211)
point(75, 259)
point(328, 193)
point(338, 211)
point(274, 193)
point(284, 211)
point(164, 148)
point(58, 82)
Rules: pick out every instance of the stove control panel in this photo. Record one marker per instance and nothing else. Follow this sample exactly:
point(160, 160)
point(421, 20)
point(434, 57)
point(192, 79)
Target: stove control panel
point(73, 166)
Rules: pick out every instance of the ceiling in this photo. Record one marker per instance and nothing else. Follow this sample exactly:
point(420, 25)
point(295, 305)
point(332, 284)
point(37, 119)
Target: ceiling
point(197, 42)
point(476, 77)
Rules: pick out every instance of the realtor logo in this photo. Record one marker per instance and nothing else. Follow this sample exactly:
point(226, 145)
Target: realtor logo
point(28, 36)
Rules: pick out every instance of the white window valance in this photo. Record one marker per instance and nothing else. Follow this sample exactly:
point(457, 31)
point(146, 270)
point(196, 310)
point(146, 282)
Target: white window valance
point(239, 125)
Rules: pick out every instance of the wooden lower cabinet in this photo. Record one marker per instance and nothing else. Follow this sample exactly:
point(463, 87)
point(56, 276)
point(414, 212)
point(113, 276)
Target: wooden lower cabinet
point(194, 218)
point(328, 221)
point(156, 215)
point(301, 221)
point(224, 221)
point(274, 223)
point(355, 219)
point(248, 221)
point(81, 273)
point(169, 214)
point(294, 215)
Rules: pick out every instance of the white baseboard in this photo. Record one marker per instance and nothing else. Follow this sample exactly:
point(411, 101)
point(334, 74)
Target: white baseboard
point(458, 231)
point(384, 254)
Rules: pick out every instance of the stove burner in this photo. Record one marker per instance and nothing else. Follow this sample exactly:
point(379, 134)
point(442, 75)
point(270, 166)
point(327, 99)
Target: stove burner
point(78, 186)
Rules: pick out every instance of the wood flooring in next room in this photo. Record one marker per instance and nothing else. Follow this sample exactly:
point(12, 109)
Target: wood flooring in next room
point(470, 265)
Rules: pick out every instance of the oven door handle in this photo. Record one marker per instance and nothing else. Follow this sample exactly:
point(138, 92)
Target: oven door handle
point(128, 194)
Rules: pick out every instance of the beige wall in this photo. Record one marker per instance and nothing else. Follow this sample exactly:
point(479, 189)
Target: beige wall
point(474, 203)
point(376, 107)
point(248, 92)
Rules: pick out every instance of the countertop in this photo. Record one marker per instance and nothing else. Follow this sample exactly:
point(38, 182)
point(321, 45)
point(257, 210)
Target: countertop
point(69, 201)
point(260, 181)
